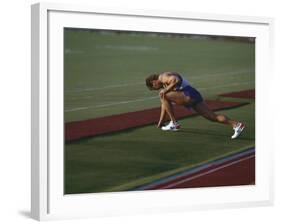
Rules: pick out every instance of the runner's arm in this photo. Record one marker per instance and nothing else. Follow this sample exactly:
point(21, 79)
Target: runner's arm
point(162, 116)
point(173, 81)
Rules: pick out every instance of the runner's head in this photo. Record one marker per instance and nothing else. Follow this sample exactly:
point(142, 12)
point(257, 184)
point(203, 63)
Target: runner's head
point(153, 83)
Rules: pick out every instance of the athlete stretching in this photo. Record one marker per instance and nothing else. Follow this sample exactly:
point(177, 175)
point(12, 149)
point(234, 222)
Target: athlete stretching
point(174, 89)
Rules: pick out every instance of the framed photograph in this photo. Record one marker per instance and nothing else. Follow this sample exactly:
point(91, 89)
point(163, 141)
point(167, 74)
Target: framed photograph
point(138, 111)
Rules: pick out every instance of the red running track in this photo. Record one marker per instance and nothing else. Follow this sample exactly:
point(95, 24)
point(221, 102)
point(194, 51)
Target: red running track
point(246, 94)
point(89, 128)
point(236, 172)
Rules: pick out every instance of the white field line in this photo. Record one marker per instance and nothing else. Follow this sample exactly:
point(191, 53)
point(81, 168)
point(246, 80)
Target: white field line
point(145, 99)
point(205, 173)
point(76, 109)
point(130, 47)
point(112, 104)
point(92, 96)
point(191, 77)
point(106, 87)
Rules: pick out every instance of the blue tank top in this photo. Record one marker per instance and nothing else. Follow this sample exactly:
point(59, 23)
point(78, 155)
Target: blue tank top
point(182, 84)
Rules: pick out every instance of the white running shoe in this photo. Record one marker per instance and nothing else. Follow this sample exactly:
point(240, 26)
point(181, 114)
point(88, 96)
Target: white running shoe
point(238, 130)
point(171, 126)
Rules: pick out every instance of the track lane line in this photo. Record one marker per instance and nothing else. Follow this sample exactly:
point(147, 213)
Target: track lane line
point(111, 104)
point(191, 77)
point(197, 169)
point(205, 173)
point(143, 99)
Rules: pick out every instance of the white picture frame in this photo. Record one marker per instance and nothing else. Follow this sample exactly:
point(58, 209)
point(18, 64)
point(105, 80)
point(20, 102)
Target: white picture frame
point(48, 201)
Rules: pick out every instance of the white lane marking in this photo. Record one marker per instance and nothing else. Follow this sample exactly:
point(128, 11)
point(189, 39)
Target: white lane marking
point(130, 47)
point(205, 173)
point(105, 87)
point(144, 99)
point(71, 51)
point(190, 77)
point(112, 104)
point(76, 109)
point(214, 87)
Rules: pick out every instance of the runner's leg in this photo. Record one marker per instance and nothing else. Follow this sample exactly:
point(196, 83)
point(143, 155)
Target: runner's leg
point(203, 109)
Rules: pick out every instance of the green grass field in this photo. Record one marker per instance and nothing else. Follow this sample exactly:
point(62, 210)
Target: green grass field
point(104, 75)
